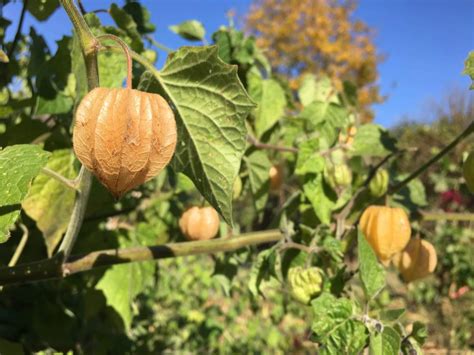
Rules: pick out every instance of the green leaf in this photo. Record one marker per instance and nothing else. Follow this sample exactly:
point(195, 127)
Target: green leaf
point(222, 39)
point(469, 68)
point(258, 166)
point(371, 272)
point(271, 101)
point(19, 164)
point(191, 30)
point(323, 112)
point(419, 332)
point(321, 196)
point(112, 70)
point(122, 283)
point(126, 23)
point(373, 140)
point(141, 16)
point(262, 269)
point(42, 9)
point(309, 160)
point(314, 89)
point(3, 57)
point(211, 106)
point(387, 342)
point(417, 192)
point(49, 202)
point(334, 327)
point(391, 315)
point(61, 102)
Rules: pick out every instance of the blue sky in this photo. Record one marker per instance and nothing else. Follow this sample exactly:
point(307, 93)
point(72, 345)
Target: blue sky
point(425, 42)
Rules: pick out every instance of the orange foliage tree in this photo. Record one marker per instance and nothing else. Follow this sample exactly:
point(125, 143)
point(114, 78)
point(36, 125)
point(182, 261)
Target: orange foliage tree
point(318, 36)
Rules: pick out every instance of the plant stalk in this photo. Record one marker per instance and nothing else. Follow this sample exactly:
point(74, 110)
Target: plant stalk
point(54, 268)
point(89, 47)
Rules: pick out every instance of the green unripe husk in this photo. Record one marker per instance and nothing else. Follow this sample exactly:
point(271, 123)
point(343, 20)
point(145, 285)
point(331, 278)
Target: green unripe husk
point(305, 283)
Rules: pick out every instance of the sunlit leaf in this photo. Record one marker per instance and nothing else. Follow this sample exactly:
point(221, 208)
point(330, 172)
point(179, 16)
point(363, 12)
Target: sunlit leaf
point(19, 164)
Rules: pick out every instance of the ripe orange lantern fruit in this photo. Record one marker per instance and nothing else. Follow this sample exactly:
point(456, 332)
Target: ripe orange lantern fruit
point(276, 177)
point(124, 136)
point(386, 229)
point(417, 261)
point(199, 223)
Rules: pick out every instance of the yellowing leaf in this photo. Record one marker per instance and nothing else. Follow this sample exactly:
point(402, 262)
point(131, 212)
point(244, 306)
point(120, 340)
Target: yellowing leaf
point(49, 202)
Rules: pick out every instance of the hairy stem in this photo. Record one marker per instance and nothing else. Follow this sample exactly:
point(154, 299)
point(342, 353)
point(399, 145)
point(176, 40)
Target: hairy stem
point(89, 46)
point(54, 268)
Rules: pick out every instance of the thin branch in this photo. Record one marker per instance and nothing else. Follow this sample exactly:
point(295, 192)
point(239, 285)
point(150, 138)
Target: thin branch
point(395, 188)
point(63, 180)
point(12, 48)
point(159, 45)
point(302, 247)
point(81, 7)
point(447, 216)
point(20, 246)
point(54, 268)
point(257, 144)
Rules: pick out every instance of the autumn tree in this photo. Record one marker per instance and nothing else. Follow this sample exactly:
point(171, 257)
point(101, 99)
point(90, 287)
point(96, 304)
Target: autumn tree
point(318, 36)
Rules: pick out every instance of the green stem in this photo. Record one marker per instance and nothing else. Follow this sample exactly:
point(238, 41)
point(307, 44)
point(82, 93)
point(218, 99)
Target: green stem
point(395, 188)
point(89, 47)
point(159, 45)
point(447, 216)
point(126, 51)
point(53, 268)
point(58, 177)
point(20, 247)
point(12, 48)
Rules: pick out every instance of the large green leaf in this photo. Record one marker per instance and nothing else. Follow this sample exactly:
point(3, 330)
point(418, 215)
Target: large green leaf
point(191, 30)
point(19, 164)
point(211, 106)
point(314, 89)
point(321, 196)
point(49, 202)
point(334, 327)
point(271, 101)
point(309, 159)
point(122, 283)
point(258, 167)
point(373, 140)
point(371, 272)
